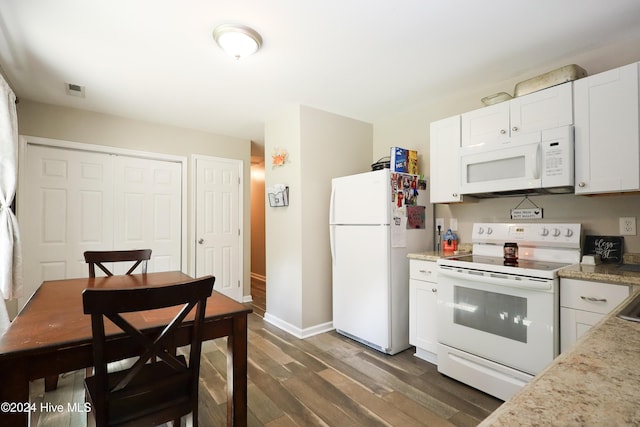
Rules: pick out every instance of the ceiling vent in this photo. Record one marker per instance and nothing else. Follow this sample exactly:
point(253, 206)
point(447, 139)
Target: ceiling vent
point(74, 90)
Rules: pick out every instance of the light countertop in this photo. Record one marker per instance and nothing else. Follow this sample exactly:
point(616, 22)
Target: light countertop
point(463, 249)
point(609, 273)
point(596, 382)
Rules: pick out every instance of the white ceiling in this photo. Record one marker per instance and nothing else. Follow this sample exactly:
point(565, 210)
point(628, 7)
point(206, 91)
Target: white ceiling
point(155, 60)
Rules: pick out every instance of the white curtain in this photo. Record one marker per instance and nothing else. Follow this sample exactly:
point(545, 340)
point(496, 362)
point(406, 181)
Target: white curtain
point(10, 247)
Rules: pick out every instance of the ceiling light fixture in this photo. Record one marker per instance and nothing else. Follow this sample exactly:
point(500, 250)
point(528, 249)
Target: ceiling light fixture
point(238, 41)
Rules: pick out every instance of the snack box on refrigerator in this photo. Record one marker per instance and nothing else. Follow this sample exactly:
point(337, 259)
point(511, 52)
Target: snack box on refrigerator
point(404, 161)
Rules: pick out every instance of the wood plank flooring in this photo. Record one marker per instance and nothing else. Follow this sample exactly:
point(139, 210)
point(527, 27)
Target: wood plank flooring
point(325, 380)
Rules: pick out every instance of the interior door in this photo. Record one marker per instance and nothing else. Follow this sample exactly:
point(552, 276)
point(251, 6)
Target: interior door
point(67, 209)
point(218, 231)
point(148, 210)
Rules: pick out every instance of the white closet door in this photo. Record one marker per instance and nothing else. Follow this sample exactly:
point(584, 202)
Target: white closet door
point(148, 210)
point(67, 209)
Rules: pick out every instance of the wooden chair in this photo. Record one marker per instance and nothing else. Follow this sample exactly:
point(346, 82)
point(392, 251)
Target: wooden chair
point(97, 258)
point(150, 392)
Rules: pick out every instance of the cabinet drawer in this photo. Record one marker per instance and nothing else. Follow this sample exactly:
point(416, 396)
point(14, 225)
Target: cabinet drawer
point(591, 296)
point(423, 270)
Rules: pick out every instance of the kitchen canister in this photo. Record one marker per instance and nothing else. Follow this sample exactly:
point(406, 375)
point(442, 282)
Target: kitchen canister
point(510, 251)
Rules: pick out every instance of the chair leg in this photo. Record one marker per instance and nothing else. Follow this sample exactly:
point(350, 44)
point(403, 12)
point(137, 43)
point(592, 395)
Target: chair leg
point(50, 382)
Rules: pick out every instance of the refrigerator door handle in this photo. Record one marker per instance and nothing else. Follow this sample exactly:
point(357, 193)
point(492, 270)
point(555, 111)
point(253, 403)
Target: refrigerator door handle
point(331, 204)
point(331, 238)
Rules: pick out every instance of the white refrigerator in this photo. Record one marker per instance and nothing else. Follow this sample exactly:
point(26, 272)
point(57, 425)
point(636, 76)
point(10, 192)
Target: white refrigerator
point(372, 229)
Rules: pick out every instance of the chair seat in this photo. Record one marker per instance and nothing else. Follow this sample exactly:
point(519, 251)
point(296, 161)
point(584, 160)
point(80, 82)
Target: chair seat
point(138, 404)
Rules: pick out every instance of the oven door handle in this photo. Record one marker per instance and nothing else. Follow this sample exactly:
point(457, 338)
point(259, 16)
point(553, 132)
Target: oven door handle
point(495, 279)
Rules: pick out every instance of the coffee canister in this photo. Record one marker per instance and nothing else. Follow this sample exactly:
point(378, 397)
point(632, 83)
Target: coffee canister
point(510, 251)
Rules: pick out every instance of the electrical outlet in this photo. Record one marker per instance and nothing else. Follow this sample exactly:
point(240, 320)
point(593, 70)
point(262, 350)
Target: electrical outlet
point(453, 224)
point(627, 225)
point(440, 222)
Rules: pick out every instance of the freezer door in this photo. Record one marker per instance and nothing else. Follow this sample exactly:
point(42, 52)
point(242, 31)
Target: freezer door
point(361, 282)
point(361, 199)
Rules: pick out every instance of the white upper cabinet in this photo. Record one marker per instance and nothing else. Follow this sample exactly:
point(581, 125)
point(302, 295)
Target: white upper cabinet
point(545, 109)
point(607, 132)
point(444, 159)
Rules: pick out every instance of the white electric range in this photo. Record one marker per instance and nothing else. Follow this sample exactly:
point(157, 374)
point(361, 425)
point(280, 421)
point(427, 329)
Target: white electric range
point(498, 319)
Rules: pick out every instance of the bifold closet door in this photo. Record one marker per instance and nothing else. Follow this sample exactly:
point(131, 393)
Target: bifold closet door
point(68, 208)
point(78, 200)
point(148, 210)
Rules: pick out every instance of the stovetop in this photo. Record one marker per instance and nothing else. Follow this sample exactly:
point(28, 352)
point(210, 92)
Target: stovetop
point(544, 249)
point(521, 267)
point(486, 262)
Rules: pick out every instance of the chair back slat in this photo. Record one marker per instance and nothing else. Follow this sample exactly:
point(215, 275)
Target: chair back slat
point(98, 258)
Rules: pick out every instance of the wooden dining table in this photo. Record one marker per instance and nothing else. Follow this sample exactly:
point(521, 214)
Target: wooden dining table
point(52, 335)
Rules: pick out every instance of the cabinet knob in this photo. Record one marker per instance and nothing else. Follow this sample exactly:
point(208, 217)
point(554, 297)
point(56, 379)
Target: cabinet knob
point(434, 290)
point(425, 271)
point(502, 131)
point(200, 241)
point(582, 184)
point(515, 128)
point(455, 194)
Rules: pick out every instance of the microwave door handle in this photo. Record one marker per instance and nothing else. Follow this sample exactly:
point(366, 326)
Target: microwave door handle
point(494, 279)
point(537, 160)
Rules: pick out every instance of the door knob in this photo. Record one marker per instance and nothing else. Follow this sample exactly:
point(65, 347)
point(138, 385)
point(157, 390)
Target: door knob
point(200, 241)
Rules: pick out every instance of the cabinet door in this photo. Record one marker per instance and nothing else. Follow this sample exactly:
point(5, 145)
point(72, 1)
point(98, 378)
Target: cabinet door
point(444, 161)
point(488, 125)
point(607, 132)
point(545, 109)
point(423, 330)
point(575, 323)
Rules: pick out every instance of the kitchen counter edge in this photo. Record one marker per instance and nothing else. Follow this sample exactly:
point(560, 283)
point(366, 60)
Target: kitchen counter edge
point(596, 381)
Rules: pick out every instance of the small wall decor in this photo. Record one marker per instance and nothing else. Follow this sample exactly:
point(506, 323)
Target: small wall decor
point(278, 195)
point(526, 213)
point(279, 157)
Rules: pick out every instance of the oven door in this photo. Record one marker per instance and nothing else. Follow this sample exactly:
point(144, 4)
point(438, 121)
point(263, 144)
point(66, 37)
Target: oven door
point(510, 320)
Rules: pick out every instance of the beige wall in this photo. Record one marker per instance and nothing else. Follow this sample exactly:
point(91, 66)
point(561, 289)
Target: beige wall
point(49, 121)
point(258, 260)
point(410, 129)
point(321, 146)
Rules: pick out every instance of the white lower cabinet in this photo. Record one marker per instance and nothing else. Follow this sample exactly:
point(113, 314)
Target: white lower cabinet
point(583, 304)
point(423, 300)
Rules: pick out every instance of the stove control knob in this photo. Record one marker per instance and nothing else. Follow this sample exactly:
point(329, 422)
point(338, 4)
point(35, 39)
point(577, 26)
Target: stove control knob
point(568, 232)
point(480, 230)
point(544, 231)
point(556, 232)
point(489, 230)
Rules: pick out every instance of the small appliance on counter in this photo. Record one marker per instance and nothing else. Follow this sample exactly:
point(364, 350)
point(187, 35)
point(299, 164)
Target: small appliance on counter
point(449, 241)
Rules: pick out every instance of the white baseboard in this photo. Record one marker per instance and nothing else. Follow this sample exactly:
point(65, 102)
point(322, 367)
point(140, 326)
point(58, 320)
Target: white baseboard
point(298, 332)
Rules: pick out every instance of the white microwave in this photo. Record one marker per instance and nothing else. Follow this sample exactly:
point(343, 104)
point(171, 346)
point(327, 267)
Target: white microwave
point(534, 163)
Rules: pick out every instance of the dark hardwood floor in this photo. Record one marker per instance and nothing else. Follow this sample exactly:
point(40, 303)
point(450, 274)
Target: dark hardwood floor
point(325, 380)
